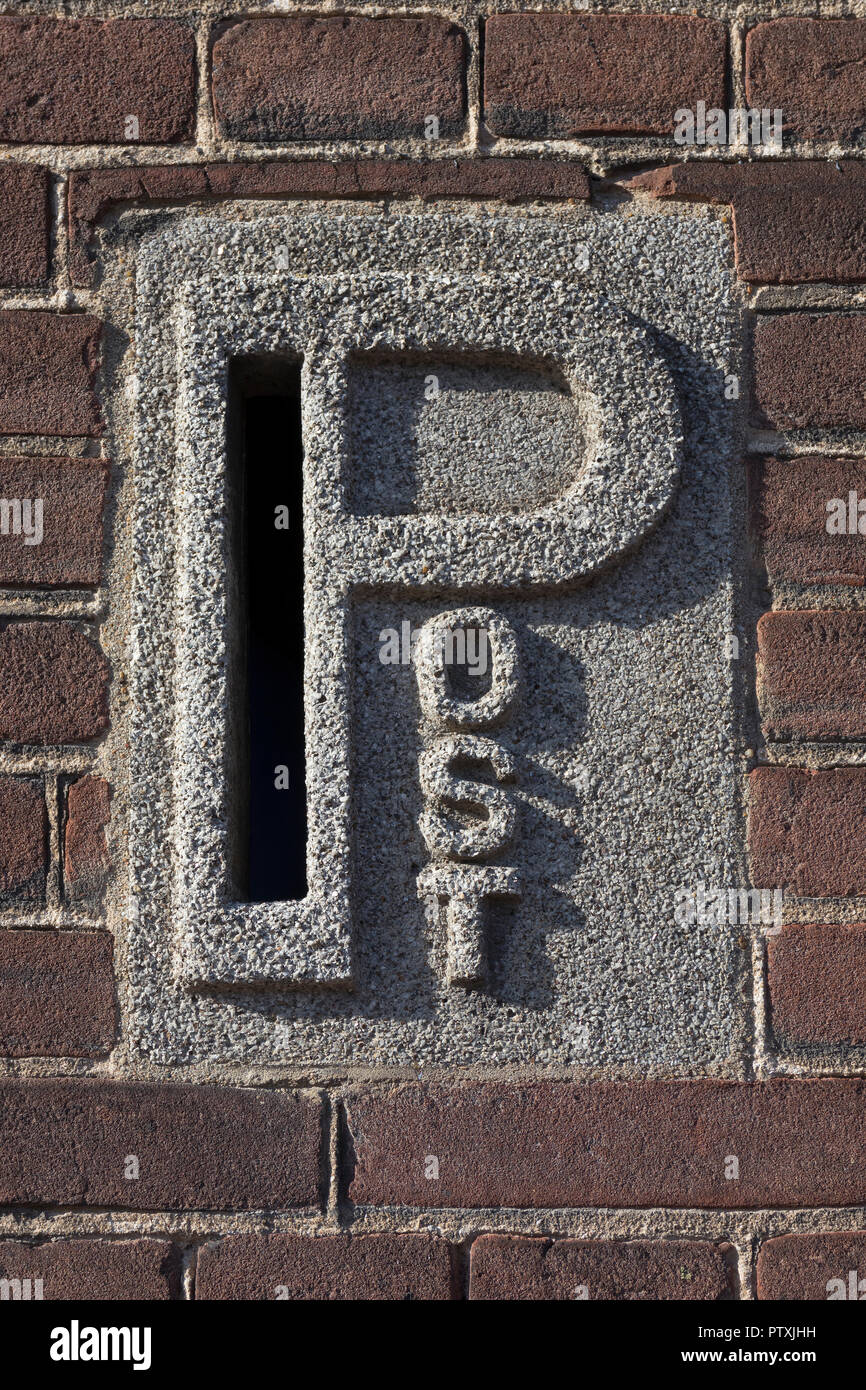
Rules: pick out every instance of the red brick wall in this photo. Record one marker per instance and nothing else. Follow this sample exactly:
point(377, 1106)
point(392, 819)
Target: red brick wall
point(202, 104)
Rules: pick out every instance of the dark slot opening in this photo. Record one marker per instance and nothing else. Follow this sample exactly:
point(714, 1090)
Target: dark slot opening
point(267, 776)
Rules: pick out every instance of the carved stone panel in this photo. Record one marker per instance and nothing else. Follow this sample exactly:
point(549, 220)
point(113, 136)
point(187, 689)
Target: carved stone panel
point(516, 447)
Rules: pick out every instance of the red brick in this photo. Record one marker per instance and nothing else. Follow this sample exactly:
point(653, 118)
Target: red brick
point(23, 840)
point(326, 1268)
point(47, 367)
point(346, 77)
point(788, 518)
point(56, 994)
point(809, 370)
point(552, 76)
point(139, 1270)
point(531, 1268)
point(812, 674)
point(611, 1144)
point(807, 830)
point(800, 1267)
point(208, 1148)
point(75, 81)
point(23, 225)
point(72, 492)
point(793, 223)
point(817, 981)
point(86, 859)
point(93, 192)
point(53, 684)
point(813, 70)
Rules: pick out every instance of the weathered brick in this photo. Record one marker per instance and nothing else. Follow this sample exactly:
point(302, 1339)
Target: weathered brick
point(817, 981)
point(801, 1267)
point(56, 994)
point(23, 840)
point(793, 223)
point(344, 77)
point(552, 76)
point(47, 367)
point(807, 830)
point(77, 81)
point(618, 1144)
point(139, 1270)
point(86, 859)
point(812, 674)
point(531, 1268)
point(53, 684)
point(326, 1268)
point(813, 70)
point(23, 225)
point(788, 504)
point(809, 370)
point(93, 192)
point(72, 494)
point(209, 1148)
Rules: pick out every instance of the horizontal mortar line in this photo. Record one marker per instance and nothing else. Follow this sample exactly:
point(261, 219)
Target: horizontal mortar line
point(718, 1219)
point(124, 1066)
point(10, 921)
point(40, 760)
point(70, 159)
point(805, 293)
point(602, 161)
point(768, 312)
point(105, 1220)
point(59, 1069)
point(820, 598)
point(59, 603)
point(831, 912)
point(651, 147)
point(407, 149)
point(843, 754)
point(35, 446)
point(49, 301)
point(632, 1223)
point(602, 152)
point(789, 1065)
point(800, 443)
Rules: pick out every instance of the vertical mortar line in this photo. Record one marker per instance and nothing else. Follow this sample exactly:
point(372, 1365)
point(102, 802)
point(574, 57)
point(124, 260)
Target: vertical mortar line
point(763, 1060)
point(331, 1107)
point(749, 1269)
point(53, 876)
point(205, 126)
point(58, 195)
point(737, 62)
point(189, 1269)
point(740, 1260)
point(474, 80)
point(461, 1257)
